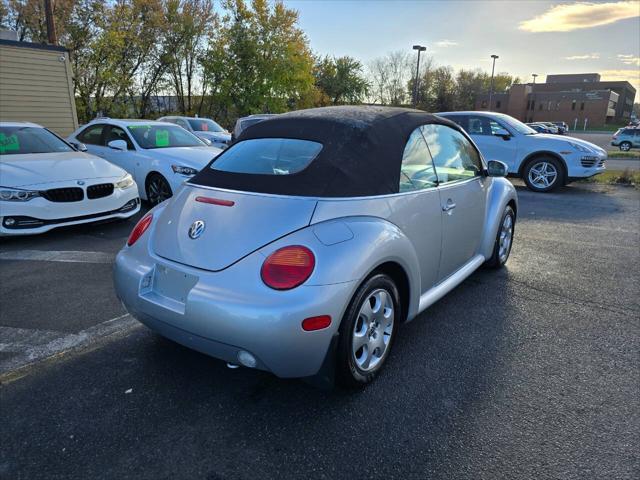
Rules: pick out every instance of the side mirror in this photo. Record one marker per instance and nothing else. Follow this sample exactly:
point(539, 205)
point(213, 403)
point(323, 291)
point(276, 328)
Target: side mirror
point(496, 168)
point(501, 132)
point(81, 147)
point(117, 145)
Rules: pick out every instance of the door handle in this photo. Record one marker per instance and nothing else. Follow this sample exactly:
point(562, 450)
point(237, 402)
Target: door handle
point(449, 206)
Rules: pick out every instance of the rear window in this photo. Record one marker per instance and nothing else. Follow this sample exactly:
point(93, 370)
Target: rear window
point(268, 156)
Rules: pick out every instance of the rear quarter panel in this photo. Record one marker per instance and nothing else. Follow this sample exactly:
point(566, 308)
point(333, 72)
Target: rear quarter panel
point(500, 192)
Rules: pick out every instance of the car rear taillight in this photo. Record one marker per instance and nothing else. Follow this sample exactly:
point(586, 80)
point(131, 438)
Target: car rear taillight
point(139, 229)
point(288, 267)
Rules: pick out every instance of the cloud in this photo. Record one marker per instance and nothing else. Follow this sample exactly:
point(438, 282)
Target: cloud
point(629, 59)
point(568, 17)
point(588, 56)
point(631, 76)
point(446, 43)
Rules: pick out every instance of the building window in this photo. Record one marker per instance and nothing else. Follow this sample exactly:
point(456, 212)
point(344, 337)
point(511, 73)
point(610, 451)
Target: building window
point(540, 106)
point(533, 105)
point(498, 103)
point(581, 105)
point(549, 105)
point(528, 104)
point(573, 105)
point(557, 105)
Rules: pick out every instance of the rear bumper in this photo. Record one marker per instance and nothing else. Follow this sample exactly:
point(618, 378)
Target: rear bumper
point(223, 313)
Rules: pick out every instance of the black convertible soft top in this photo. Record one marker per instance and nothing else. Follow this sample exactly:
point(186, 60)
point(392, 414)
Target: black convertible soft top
point(361, 155)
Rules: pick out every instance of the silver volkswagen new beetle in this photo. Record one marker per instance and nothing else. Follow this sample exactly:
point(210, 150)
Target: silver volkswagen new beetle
point(303, 247)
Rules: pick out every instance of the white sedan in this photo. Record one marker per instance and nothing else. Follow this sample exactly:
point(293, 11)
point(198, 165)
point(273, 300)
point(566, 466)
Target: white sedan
point(45, 183)
point(159, 155)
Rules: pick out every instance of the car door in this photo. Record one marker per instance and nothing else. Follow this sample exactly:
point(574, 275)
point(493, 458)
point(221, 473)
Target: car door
point(417, 209)
point(93, 137)
point(482, 129)
point(124, 159)
point(462, 194)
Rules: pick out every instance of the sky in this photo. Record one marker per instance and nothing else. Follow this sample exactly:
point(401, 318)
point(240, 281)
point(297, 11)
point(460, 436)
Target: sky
point(530, 36)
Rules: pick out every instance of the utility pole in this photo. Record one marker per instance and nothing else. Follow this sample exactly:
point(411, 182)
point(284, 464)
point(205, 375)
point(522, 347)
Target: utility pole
point(51, 26)
point(419, 48)
point(493, 69)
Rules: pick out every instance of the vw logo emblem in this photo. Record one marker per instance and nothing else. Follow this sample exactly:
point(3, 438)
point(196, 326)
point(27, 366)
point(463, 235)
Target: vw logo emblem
point(80, 182)
point(196, 229)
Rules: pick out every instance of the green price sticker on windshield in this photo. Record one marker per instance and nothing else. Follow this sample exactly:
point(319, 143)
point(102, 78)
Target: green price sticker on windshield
point(162, 138)
point(9, 143)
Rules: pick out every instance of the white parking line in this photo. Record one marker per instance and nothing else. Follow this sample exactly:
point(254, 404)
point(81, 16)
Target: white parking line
point(29, 346)
point(67, 256)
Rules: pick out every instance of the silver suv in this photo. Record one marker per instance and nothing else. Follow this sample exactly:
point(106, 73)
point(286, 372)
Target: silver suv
point(203, 128)
point(626, 138)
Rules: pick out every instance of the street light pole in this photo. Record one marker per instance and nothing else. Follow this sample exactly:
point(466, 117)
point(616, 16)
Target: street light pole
point(419, 48)
point(493, 69)
point(534, 75)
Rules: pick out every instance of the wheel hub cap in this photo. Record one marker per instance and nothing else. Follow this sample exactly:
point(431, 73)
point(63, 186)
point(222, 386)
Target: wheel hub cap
point(373, 329)
point(543, 174)
point(506, 236)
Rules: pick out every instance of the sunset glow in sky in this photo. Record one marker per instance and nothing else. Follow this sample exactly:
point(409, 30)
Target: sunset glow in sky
point(540, 37)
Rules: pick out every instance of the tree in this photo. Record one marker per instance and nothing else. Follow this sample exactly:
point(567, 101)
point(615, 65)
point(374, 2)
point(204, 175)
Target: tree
point(340, 80)
point(390, 78)
point(191, 23)
point(258, 61)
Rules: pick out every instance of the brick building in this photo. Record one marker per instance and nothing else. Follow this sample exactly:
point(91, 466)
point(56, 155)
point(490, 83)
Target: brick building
point(575, 99)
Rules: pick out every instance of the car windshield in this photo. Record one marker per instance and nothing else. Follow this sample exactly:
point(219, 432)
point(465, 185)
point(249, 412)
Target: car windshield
point(21, 140)
point(517, 125)
point(151, 136)
point(267, 156)
point(205, 125)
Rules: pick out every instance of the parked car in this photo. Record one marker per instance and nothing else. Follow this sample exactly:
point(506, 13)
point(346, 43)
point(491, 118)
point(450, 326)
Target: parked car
point(159, 155)
point(203, 128)
point(245, 122)
point(46, 183)
point(544, 162)
point(626, 138)
point(539, 127)
point(563, 128)
point(303, 246)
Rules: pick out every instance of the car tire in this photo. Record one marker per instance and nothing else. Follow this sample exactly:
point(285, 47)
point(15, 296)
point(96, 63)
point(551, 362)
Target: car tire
point(543, 174)
point(157, 188)
point(367, 331)
point(625, 146)
point(504, 239)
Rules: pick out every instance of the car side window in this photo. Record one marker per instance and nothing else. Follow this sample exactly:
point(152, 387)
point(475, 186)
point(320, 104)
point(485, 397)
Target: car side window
point(92, 135)
point(182, 123)
point(416, 171)
point(454, 157)
point(117, 133)
point(482, 126)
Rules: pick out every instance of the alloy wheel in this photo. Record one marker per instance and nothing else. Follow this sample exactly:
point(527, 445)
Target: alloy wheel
point(373, 329)
point(158, 190)
point(505, 239)
point(543, 174)
point(625, 146)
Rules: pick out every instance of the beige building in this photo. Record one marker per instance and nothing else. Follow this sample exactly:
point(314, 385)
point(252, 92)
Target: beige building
point(36, 86)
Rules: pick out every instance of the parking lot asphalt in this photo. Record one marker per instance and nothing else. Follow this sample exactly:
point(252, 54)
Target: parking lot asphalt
point(527, 372)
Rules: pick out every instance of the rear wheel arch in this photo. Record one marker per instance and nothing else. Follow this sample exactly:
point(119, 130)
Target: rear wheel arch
point(399, 276)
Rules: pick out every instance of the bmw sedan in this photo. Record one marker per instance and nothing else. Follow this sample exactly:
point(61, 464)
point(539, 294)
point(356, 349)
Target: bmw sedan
point(159, 155)
point(45, 183)
point(304, 246)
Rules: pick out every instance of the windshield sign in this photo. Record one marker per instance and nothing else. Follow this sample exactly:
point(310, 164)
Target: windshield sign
point(205, 125)
point(151, 136)
point(23, 140)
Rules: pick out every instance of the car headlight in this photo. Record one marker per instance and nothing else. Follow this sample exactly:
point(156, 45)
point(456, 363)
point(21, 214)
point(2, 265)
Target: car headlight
point(580, 148)
point(125, 182)
point(188, 171)
point(14, 195)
